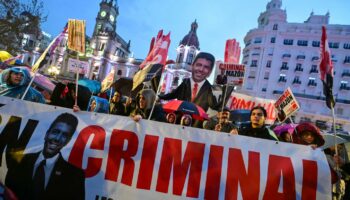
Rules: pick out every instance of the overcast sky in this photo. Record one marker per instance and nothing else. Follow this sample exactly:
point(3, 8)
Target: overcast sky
point(219, 20)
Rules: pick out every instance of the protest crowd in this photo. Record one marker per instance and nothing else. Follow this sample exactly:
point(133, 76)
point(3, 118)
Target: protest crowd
point(197, 91)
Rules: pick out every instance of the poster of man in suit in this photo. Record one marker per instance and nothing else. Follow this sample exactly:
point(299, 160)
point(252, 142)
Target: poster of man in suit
point(197, 89)
point(45, 174)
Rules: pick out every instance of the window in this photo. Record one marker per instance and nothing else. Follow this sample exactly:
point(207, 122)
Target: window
point(263, 89)
point(284, 66)
point(347, 59)
point(313, 69)
point(275, 27)
point(266, 75)
point(288, 42)
point(345, 73)
point(312, 82)
point(248, 42)
point(339, 111)
point(316, 43)
point(180, 58)
point(190, 58)
point(296, 80)
point(119, 72)
point(257, 40)
point(334, 45)
point(254, 63)
point(102, 46)
point(302, 43)
point(315, 58)
point(268, 64)
point(299, 68)
point(282, 78)
point(346, 46)
point(273, 40)
point(344, 85)
point(251, 74)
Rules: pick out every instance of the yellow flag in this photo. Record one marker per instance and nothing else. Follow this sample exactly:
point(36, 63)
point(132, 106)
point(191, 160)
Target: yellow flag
point(76, 35)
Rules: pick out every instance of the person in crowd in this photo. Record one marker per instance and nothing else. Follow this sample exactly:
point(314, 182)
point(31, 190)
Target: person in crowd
point(171, 118)
point(221, 79)
point(144, 103)
point(45, 174)
point(197, 89)
point(284, 132)
point(338, 165)
point(64, 95)
point(222, 124)
point(14, 82)
point(98, 104)
point(257, 127)
point(308, 134)
point(116, 106)
point(186, 120)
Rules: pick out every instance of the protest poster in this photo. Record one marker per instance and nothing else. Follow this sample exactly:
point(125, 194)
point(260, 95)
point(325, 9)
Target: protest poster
point(74, 64)
point(124, 159)
point(286, 105)
point(234, 73)
point(243, 101)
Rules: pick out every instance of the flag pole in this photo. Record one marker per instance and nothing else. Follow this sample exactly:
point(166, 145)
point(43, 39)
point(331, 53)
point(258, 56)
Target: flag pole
point(158, 90)
point(223, 101)
point(334, 131)
point(30, 83)
point(76, 82)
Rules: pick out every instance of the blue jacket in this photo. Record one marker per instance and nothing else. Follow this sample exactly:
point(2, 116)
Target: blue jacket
point(16, 91)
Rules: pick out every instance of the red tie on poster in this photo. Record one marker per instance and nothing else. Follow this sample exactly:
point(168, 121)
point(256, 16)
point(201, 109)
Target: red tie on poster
point(194, 91)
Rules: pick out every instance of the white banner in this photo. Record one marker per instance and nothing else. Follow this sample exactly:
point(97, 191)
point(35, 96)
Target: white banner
point(243, 101)
point(123, 159)
point(74, 63)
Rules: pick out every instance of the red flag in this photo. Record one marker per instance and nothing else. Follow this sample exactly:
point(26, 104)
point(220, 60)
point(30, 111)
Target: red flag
point(159, 52)
point(326, 70)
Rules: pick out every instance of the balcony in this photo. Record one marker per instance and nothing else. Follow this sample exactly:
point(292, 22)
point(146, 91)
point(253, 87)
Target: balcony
point(345, 74)
point(282, 80)
point(251, 77)
point(315, 58)
point(347, 61)
point(284, 68)
point(299, 69)
point(312, 84)
point(296, 82)
point(253, 65)
point(313, 71)
point(286, 56)
point(344, 87)
point(300, 57)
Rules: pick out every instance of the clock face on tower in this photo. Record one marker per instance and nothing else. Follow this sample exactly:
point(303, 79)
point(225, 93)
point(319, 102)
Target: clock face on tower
point(103, 13)
point(111, 18)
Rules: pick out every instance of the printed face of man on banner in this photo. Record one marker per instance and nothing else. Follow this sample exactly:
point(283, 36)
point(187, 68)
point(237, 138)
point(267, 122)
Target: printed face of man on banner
point(59, 134)
point(201, 69)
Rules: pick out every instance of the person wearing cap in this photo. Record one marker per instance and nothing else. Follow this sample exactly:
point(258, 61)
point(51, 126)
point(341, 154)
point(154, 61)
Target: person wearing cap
point(13, 83)
point(257, 127)
point(197, 89)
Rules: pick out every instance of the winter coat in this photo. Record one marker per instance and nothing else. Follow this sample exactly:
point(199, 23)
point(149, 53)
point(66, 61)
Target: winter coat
point(17, 91)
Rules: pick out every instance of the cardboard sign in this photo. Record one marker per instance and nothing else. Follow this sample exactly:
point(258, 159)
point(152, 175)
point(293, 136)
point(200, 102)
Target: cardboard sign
point(74, 64)
point(286, 105)
point(234, 73)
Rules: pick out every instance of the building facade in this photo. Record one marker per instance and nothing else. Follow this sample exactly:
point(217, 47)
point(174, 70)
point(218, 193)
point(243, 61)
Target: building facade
point(186, 52)
point(279, 54)
point(105, 49)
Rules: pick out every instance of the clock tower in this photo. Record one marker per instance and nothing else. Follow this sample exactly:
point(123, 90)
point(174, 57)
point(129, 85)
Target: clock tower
point(106, 17)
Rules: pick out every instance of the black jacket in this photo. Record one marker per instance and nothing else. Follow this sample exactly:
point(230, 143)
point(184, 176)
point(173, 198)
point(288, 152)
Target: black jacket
point(66, 181)
point(262, 133)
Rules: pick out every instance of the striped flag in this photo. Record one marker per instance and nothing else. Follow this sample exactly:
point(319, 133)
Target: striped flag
point(326, 70)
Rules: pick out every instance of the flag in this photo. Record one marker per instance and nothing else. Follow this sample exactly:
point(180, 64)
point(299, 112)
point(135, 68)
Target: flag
point(158, 50)
point(326, 70)
point(45, 56)
point(146, 74)
point(108, 81)
point(76, 35)
point(12, 60)
point(58, 40)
